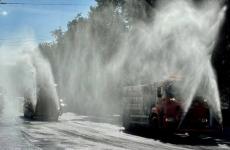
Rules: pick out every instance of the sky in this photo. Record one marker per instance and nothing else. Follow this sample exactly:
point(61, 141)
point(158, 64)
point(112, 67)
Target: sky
point(35, 22)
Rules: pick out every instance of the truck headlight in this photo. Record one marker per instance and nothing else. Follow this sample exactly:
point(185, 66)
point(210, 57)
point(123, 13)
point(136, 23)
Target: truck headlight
point(169, 119)
point(204, 120)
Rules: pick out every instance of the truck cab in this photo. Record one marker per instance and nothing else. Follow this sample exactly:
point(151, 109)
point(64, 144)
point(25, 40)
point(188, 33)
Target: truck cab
point(161, 107)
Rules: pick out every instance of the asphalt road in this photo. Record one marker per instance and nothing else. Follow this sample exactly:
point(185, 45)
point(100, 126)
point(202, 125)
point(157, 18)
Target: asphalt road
point(83, 132)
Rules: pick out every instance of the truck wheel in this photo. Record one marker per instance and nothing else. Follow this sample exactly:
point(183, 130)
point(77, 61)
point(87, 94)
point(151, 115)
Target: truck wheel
point(126, 122)
point(153, 121)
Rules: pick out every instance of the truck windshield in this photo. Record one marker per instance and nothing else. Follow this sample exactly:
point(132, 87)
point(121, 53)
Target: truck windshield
point(171, 90)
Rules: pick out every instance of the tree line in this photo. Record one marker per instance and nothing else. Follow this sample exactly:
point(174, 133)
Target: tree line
point(89, 43)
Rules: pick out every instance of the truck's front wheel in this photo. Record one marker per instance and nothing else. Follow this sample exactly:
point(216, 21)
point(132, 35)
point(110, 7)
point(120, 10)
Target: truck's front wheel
point(126, 121)
point(153, 121)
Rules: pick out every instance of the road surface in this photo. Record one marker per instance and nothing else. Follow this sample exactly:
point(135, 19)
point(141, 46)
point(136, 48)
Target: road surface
point(82, 132)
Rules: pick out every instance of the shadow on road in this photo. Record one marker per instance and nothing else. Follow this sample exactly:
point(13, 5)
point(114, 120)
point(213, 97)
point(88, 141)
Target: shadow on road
point(183, 139)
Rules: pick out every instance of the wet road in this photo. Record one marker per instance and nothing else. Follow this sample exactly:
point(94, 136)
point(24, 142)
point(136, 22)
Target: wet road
point(82, 132)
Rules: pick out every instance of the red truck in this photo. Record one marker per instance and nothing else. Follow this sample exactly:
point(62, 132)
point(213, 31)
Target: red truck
point(160, 107)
